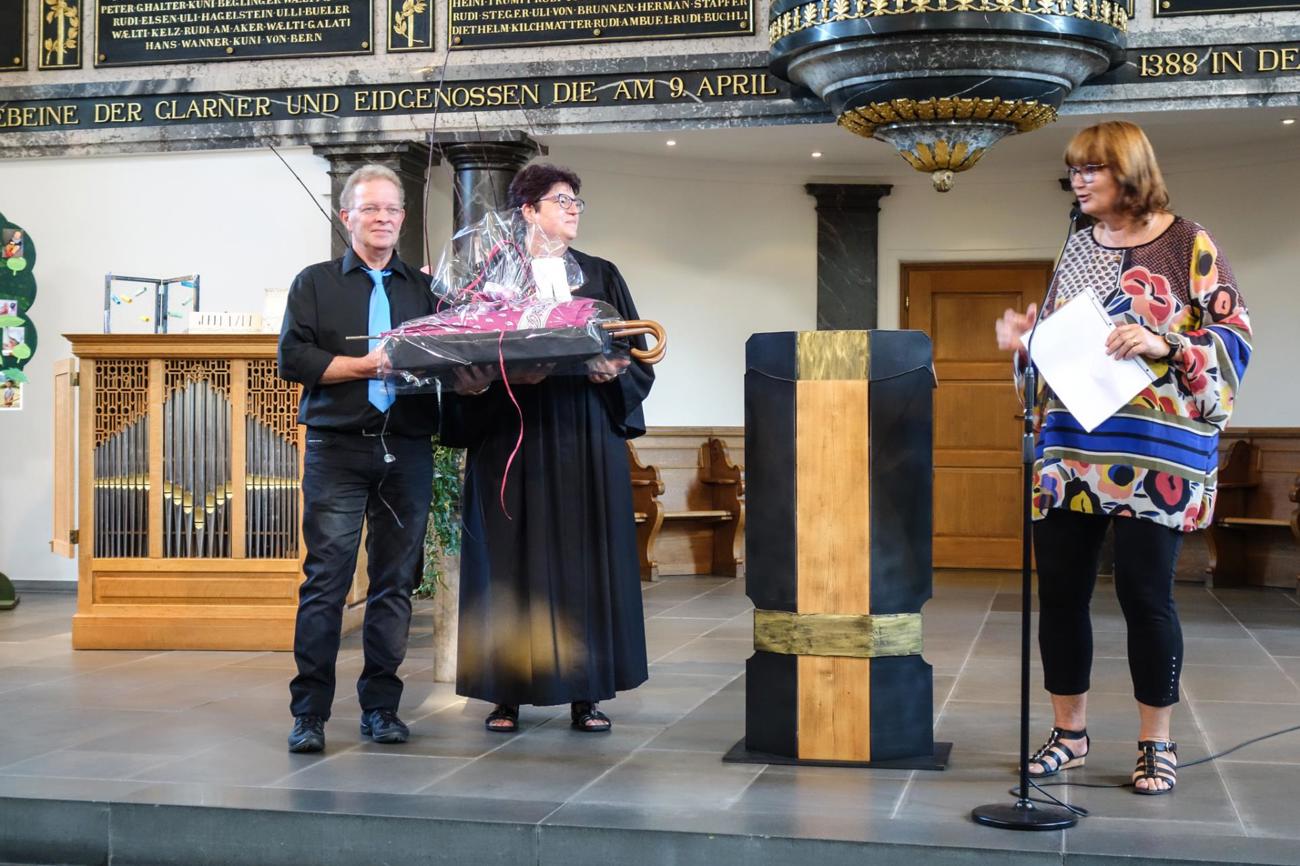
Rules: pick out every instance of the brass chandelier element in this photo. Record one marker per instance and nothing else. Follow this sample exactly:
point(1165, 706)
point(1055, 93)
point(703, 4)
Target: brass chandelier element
point(944, 80)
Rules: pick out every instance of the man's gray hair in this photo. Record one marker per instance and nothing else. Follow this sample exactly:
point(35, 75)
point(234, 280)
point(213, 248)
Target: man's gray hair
point(368, 173)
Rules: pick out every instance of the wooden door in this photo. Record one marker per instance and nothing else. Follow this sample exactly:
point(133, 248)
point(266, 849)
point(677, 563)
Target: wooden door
point(977, 431)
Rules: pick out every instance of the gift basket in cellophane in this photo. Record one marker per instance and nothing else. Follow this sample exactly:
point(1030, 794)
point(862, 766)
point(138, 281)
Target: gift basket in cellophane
point(507, 305)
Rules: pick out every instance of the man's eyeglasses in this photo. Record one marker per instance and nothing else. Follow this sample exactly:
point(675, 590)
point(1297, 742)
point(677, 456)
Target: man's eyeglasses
point(566, 201)
point(1087, 172)
point(373, 210)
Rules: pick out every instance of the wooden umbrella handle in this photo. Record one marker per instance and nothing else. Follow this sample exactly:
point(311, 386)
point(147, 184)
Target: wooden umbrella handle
point(638, 327)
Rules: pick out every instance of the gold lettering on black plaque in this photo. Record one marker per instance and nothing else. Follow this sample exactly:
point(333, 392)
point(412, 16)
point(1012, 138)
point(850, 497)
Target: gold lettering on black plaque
point(60, 34)
point(139, 32)
point(13, 35)
point(411, 27)
point(24, 117)
point(687, 87)
point(500, 23)
point(1203, 63)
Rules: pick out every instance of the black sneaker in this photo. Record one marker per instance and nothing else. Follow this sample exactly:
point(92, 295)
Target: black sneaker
point(383, 726)
point(308, 734)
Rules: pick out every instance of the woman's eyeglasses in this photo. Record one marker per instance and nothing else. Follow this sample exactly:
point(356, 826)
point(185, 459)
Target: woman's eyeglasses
point(566, 201)
point(1087, 172)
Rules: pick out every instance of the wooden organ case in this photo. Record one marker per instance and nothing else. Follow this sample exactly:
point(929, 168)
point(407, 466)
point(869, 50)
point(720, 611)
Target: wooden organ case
point(186, 463)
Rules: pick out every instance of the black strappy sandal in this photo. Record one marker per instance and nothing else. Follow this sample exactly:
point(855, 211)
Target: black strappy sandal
point(588, 719)
point(1155, 767)
point(506, 713)
point(1055, 756)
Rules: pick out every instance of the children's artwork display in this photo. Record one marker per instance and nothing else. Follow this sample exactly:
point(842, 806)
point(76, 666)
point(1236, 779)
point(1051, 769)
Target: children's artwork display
point(17, 294)
point(11, 396)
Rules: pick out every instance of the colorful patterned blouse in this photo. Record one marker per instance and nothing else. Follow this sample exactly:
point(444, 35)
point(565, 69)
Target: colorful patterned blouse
point(1157, 458)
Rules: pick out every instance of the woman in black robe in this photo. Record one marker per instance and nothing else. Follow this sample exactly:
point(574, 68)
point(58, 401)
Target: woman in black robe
point(550, 590)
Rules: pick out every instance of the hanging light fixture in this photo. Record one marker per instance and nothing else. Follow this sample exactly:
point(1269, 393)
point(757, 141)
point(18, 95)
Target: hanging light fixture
point(942, 81)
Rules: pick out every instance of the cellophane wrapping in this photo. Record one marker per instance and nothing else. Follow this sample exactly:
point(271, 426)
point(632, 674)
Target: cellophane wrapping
point(504, 301)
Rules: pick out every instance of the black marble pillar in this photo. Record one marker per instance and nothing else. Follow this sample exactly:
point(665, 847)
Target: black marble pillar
point(409, 160)
point(848, 223)
point(484, 165)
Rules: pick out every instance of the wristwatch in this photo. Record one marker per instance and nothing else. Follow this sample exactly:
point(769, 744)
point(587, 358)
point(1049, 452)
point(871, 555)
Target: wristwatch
point(1175, 342)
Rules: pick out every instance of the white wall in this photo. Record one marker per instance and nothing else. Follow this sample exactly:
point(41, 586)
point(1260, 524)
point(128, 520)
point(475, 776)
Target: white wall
point(714, 250)
point(240, 220)
point(713, 255)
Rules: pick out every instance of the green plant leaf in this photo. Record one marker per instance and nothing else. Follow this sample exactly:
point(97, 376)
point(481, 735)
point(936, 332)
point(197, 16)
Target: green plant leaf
point(22, 351)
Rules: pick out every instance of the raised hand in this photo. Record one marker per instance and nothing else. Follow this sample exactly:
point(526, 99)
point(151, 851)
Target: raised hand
point(1012, 325)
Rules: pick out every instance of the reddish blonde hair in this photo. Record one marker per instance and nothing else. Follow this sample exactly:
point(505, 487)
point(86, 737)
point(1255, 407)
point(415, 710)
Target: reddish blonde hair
point(1124, 149)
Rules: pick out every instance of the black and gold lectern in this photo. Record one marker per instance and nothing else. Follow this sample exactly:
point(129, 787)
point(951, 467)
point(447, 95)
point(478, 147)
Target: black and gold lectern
point(838, 432)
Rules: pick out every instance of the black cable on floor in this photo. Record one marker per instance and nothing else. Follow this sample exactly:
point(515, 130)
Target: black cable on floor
point(1083, 813)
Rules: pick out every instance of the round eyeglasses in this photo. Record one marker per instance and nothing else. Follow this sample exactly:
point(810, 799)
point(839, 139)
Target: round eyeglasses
point(1087, 172)
point(566, 201)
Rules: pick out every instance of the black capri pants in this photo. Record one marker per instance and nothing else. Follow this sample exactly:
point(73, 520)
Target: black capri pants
point(1067, 545)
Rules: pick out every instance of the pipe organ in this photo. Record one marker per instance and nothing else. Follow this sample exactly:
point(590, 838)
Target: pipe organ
point(188, 457)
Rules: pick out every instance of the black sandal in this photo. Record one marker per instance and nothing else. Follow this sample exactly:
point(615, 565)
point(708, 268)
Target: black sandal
point(1155, 767)
point(507, 713)
point(1055, 756)
point(588, 719)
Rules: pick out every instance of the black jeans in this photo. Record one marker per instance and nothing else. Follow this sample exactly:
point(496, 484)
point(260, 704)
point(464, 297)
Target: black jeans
point(1067, 545)
point(345, 479)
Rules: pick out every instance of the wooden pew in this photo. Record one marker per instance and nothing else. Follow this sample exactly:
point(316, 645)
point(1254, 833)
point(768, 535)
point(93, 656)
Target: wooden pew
point(647, 487)
point(700, 498)
point(725, 483)
point(1255, 537)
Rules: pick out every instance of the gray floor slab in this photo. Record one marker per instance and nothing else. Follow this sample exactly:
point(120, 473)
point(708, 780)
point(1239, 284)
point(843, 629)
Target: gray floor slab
point(112, 738)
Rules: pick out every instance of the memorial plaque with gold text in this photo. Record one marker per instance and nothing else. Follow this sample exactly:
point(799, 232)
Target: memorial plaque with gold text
point(140, 32)
point(1169, 8)
point(13, 35)
point(500, 23)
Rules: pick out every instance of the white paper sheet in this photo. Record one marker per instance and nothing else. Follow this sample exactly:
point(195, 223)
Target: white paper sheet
point(1070, 352)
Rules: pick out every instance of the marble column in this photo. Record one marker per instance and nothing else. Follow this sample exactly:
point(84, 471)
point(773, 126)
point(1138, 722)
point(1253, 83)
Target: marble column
point(410, 160)
point(848, 222)
point(484, 165)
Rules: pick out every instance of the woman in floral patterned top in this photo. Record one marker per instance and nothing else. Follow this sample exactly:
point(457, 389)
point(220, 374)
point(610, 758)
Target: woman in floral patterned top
point(1149, 470)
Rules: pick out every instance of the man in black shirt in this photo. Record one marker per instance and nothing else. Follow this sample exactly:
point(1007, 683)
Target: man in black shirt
point(369, 456)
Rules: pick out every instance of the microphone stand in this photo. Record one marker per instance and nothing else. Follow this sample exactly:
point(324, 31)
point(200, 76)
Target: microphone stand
point(1025, 814)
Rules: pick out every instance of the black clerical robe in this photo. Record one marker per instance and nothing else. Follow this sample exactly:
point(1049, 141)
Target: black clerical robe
point(550, 595)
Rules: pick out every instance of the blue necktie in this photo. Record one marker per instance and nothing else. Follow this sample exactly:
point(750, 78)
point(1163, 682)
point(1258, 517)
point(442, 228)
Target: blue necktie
point(380, 320)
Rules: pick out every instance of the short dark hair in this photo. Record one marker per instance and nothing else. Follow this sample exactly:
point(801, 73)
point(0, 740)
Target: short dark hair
point(536, 180)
